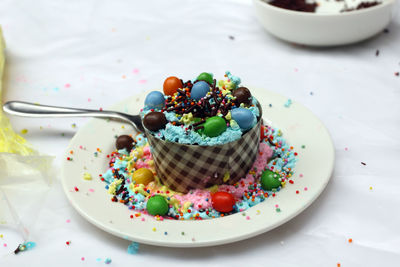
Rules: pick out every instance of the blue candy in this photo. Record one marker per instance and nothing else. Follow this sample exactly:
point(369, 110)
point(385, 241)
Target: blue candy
point(244, 117)
point(155, 100)
point(199, 90)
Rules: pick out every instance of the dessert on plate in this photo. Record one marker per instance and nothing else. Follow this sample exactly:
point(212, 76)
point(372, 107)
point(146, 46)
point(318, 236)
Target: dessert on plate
point(205, 152)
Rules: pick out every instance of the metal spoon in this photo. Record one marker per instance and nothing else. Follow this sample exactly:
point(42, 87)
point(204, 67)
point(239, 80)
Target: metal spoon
point(26, 109)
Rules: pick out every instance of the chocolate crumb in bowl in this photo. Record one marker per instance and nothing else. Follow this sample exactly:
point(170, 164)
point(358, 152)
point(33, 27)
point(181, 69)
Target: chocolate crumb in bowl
point(304, 6)
point(296, 5)
point(362, 5)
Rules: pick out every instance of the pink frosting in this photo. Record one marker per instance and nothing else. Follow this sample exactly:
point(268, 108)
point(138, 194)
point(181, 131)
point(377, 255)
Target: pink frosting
point(143, 162)
point(201, 199)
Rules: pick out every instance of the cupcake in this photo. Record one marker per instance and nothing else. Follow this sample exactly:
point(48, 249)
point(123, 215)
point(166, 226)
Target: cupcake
point(202, 132)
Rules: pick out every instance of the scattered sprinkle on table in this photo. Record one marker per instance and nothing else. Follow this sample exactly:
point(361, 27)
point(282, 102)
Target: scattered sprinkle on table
point(231, 37)
point(83, 258)
point(24, 131)
point(288, 103)
point(363, 163)
point(350, 240)
point(87, 176)
point(377, 52)
point(154, 229)
point(24, 247)
point(107, 261)
point(370, 188)
point(133, 248)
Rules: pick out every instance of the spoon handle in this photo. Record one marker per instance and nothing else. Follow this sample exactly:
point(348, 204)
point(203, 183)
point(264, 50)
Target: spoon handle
point(26, 109)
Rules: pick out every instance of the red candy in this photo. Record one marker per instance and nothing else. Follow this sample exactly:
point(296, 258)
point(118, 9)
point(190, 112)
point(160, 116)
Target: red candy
point(223, 201)
point(171, 85)
point(262, 136)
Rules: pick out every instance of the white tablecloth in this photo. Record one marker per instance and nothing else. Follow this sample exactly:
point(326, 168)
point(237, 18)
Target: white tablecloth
point(95, 53)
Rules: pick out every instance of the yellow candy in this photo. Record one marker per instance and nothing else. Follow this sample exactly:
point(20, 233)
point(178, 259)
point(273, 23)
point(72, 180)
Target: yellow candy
point(143, 176)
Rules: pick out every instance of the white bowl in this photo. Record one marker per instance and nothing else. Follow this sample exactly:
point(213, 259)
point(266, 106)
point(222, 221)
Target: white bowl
point(327, 26)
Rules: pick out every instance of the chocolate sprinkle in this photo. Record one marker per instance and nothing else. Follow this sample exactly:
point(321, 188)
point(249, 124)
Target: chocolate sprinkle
point(17, 250)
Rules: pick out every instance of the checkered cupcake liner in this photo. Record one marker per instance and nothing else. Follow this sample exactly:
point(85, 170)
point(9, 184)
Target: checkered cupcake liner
point(185, 167)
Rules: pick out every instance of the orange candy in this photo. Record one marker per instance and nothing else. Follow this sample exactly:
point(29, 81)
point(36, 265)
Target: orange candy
point(171, 85)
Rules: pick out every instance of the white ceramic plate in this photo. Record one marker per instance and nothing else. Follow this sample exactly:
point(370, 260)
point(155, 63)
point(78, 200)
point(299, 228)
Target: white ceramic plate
point(327, 26)
point(300, 127)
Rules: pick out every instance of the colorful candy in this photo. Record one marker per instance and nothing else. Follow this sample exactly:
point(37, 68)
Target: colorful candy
point(199, 90)
point(205, 76)
point(143, 176)
point(244, 117)
point(171, 85)
point(155, 121)
point(154, 100)
point(270, 180)
point(157, 205)
point(214, 126)
point(242, 95)
point(262, 132)
point(124, 141)
point(223, 201)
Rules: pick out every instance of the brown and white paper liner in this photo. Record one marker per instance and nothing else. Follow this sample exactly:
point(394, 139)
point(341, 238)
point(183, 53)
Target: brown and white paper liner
point(184, 167)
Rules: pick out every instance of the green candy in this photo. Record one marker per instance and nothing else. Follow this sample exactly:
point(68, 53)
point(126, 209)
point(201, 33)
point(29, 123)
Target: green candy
point(270, 180)
point(205, 76)
point(214, 126)
point(157, 205)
